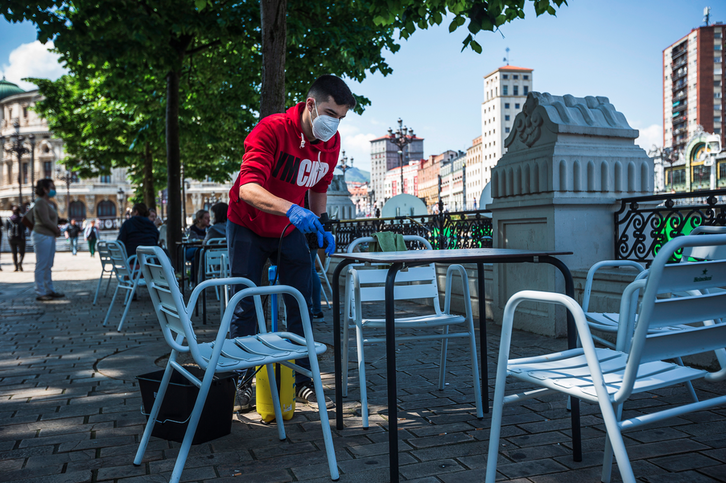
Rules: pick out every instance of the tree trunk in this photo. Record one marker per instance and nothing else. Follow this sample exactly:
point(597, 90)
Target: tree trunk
point(149, 193)
point(274, 48)
point(173, 162)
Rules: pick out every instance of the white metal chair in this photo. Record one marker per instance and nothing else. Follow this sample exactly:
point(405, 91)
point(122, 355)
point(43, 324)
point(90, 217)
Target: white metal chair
point(128, 279)
point(106, 267)
point(416, 283)
point(222, 354)
point(608, 377)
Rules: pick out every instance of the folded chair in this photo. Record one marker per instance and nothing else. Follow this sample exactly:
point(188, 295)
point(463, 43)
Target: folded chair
point(608, 377)
point(128, 279)
point(222, 354)
point(106, 267)
point(416, 283)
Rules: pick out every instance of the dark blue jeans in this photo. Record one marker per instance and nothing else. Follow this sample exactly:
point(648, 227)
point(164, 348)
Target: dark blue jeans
point(248, 253)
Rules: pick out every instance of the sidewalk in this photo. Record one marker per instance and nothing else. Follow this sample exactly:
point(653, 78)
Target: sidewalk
point(70, 408)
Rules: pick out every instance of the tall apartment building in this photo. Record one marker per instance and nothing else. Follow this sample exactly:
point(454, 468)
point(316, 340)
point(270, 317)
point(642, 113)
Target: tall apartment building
point(693, 90)
point(505, 91)
point(475, 180)
point(384, 157)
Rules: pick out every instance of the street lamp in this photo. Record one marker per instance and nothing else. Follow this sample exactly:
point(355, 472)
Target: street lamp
point(344, 163)
point(67, 178)
point(212, 200)
point(18, 148)
point(402, 137)
point(120, 197)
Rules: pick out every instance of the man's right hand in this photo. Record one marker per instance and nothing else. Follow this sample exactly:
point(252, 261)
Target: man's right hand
point(305, 220)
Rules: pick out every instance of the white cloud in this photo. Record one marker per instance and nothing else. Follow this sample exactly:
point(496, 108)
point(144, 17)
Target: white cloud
point(356, 145)
point(650, 136)
point(32, 60)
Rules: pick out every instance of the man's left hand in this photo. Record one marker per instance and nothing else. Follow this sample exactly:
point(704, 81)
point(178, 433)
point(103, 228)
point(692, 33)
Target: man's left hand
point(330, 249)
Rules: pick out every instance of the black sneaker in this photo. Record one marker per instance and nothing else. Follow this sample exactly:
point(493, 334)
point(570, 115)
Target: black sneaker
point(57, 295)
point(243, 397)
point(44, 298)
point(306, 394)
point(319, 316)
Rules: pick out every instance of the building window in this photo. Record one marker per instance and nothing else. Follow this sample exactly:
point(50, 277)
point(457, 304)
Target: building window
point(25, 173)
point(25, 111)
point(47, 171)
point(526, 90)
point(716, 118)
point(506, 105)
point(506, 118)
point(106, 209)
point(516, 90)
point(505, 76)
point(516, 106)
point(717, 47)
point(505, 90)
point(525, 77)
point(717, 130)
point(675, 176)
point(78, 210)
point(106, 179)
point(515, 76)
point(506, 129)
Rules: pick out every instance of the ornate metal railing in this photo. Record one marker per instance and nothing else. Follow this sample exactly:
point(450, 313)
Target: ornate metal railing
point(465, 229)
point(645, 223)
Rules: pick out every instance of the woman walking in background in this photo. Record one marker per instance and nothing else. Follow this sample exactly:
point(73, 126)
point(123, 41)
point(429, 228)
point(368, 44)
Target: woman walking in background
point(91, 235)
point(16, 238)
point(45, 232)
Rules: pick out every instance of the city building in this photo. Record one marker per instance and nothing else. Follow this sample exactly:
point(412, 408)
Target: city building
point(452, 182)
point(477, 175)
point(392, 183)
point(693, 90)
point(384, 157)
point(102, 197)
point(505, 91)
point(428, 177)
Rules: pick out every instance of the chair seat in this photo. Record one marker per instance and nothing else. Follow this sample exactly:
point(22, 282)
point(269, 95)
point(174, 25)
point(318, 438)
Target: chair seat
point(608, 322)
point(432, 320)
point(257, 350)
point(568, 372)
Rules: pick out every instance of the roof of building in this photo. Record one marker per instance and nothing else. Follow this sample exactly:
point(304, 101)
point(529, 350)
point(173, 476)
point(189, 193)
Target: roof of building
point(386, 137)
point(8, 89)
point(509, 67)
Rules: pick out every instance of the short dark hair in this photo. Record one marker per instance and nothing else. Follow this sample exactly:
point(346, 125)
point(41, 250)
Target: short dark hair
point(219, 211)
point(42, 185)
point(327, 86)
point(140, 209)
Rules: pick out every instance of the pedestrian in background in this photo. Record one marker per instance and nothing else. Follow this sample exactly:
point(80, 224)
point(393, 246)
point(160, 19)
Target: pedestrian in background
point(16, 238)
point(72, 232)
point(138, 230)
point(91, 235)
point(45, 231)
point(219, 228)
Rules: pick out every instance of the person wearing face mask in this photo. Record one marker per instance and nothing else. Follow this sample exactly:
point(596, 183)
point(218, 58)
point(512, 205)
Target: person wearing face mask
point(286, 156)
point(45, 231)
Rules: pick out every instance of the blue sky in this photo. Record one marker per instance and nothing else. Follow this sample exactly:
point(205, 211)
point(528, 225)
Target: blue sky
point(612, 49)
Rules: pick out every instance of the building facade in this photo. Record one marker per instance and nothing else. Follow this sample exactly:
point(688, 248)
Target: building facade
point(452, 182)
point(103, 197)
point(392, 184)
point(384, 157)
point(428, 178)
point(505, 91)
point(693, 90)
point(477, 175)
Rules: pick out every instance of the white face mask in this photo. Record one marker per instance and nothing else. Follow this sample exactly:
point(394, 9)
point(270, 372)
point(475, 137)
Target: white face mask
point(324, 127)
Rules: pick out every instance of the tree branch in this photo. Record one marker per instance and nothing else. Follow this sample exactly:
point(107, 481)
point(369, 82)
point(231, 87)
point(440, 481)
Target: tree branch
point(203, 47)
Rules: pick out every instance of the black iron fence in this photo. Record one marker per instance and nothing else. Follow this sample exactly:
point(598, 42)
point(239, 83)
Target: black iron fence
point(645, 223)
point(464, 229)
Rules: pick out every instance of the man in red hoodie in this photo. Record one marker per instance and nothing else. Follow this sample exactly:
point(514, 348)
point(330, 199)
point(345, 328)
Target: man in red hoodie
point(286, 155)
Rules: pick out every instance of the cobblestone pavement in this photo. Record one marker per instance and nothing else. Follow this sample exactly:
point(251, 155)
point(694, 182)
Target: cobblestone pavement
point(70, 409)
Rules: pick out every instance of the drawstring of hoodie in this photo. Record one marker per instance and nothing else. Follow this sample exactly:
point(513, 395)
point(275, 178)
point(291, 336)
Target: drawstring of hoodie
point(302, 140)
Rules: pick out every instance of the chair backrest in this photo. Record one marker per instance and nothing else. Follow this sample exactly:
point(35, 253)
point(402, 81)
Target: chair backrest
point(696, 278)
point(119, 261)
point(103, 254)
point(216, 241)
point(706, 252)
point(213, 259)
point(415, 283)
point(167, 299)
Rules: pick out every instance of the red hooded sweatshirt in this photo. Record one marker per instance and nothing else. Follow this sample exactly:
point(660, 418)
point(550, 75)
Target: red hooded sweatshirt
point(279, 158)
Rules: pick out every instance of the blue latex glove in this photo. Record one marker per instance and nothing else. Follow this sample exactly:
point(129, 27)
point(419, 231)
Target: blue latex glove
point(305, 221)
point(330, 249)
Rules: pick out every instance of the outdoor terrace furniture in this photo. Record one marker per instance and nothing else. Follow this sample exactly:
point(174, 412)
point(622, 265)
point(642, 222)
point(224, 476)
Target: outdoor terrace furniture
point(106, 267)
point(366, 286)
point(608, 377)
point(128, 279)
point(222, 354)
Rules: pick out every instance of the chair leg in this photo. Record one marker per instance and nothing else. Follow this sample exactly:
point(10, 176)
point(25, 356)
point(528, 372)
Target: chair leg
point(108, 284)
point(495, 431)
point(98, 287)
point(362, 375)
point(324, 421)
point(181, 458)
point(475, 373)
point(692, 391)
point(128, 306)
point(615, 444)
point(155, 410)
point(442, 361)
point(276, 401)
point(345, 355)
point(115, 292)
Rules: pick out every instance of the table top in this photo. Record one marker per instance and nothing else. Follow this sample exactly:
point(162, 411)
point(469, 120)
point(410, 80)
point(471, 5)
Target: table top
point(455, 255)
